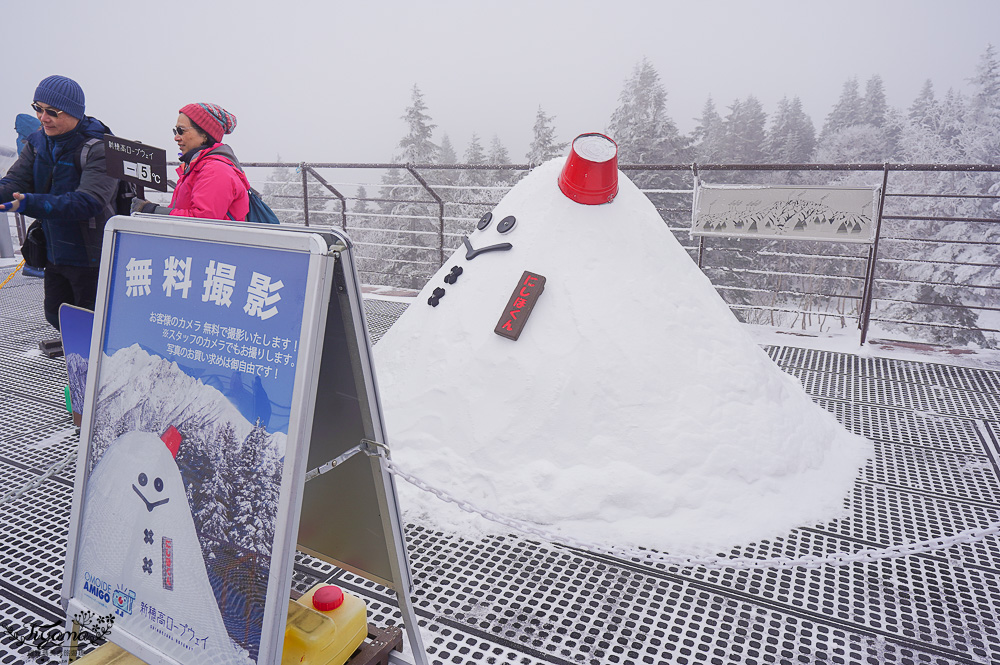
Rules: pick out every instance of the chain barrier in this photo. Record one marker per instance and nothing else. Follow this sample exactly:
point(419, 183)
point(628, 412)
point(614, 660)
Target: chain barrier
point(11, 276)
point(38, 480)
point(713, 562)
point(966, 537)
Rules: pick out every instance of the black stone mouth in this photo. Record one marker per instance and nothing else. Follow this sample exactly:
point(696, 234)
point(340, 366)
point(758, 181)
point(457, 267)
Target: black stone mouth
point(149, 506)
point(471, 253)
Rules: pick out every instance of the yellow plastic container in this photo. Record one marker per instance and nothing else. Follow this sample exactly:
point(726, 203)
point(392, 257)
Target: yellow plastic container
point(318, 636)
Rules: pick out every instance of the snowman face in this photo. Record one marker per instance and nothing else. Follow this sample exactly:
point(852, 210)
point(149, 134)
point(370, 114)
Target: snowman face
point(153, 489)
point(504, 226)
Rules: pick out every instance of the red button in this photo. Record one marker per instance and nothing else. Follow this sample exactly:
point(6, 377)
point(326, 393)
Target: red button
point(328, 598)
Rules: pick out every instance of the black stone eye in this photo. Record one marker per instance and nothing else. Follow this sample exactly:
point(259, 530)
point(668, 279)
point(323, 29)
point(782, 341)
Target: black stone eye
point(506, 224)
point(158, 484)
point(484, 221)
point(143, 479)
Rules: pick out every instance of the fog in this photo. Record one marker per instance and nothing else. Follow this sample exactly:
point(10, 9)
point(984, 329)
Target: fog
point(328, 81)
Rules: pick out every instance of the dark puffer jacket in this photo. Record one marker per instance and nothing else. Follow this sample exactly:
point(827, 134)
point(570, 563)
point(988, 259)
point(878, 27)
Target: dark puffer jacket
point(73, 205)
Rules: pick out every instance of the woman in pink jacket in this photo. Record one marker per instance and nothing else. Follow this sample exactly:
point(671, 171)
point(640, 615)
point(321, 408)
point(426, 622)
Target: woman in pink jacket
point(211, 184)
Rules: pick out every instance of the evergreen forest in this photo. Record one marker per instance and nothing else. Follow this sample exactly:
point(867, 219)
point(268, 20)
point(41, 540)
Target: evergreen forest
point(403, 226)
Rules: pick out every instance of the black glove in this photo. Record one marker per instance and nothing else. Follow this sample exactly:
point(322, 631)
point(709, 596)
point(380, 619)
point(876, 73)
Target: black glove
point(143, 206)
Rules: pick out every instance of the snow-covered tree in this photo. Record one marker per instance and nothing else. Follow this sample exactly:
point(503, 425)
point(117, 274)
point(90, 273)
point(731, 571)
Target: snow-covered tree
point(446, 155)
point(214, 517)
point(498, 155)
point(873, 105)
point(474, 154)
point(709, 135)
point(987, 80)
point(924, 111)
point(474, 198)
point(847, 112)
point(416, 146)
point(255, 496)
point(543, 143)
point(951, 120)
point(283, 193)
point(745, 132)
point(646, 134)
point(409, 212)
point(853, 131)
point(791, 138)
point(858, 143)
point(360, 201)
point(892, 131)
point(981, 133)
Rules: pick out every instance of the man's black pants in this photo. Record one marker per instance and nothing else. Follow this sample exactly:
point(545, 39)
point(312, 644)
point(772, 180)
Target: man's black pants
point(70, 284)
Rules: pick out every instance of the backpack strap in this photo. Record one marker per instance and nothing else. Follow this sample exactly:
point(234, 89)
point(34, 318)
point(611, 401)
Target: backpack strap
point(216, 157)
point(220, 158)
point(85, 152)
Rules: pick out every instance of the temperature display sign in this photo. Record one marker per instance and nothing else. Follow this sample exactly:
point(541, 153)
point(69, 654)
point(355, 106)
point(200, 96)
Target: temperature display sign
point(136, 162)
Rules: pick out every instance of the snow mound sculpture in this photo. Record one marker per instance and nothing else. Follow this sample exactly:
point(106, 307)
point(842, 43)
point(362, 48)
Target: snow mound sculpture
point(633, 409)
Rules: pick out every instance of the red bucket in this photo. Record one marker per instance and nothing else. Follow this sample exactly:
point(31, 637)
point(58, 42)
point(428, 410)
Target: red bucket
point(590, 175)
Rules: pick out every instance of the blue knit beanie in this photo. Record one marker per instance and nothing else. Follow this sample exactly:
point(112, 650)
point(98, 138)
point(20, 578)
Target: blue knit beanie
point(62, 93)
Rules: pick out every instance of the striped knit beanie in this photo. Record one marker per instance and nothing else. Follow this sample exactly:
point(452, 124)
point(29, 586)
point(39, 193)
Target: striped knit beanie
point(212, 118)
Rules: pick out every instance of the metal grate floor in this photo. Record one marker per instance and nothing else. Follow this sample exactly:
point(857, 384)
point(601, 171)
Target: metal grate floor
point(512, 600)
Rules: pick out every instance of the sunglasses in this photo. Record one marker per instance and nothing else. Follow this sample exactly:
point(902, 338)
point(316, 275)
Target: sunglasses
point(179, 131)
point(55, 113)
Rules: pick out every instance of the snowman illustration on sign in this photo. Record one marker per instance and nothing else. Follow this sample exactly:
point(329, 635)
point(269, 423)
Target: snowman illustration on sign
point(139, 554)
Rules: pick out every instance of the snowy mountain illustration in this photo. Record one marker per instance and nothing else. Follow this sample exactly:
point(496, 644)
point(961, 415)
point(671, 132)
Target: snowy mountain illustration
point(143, 392)
point(787, 218)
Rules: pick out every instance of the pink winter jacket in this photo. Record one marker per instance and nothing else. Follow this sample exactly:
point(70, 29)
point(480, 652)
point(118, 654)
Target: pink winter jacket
point(212, 187)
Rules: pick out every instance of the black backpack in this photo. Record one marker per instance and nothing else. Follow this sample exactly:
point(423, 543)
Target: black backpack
point(92, 229)
point(127, 191)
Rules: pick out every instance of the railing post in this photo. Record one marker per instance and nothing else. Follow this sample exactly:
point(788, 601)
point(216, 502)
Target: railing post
point(21, 227)
point(694, 202)
point(440, 203)
point(869, 290)
point(305, 191)
point(343, 201)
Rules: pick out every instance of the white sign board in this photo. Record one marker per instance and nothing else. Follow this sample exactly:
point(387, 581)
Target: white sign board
point(195, 430)
point(839, 214)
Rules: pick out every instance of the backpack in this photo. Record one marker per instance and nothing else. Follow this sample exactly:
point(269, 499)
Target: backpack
point(260, 212)
point(126, 190)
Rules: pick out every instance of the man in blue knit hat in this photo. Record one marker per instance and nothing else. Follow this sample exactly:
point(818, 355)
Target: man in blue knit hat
point(72, 200)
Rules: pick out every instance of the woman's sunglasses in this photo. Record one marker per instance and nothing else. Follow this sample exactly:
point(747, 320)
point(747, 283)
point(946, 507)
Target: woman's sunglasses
point(179, 131)
point(47, 111)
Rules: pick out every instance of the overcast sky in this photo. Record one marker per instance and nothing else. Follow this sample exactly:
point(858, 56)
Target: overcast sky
point(328, 80)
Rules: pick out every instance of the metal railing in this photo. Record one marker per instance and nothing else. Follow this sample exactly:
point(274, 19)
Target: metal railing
point(932, 275)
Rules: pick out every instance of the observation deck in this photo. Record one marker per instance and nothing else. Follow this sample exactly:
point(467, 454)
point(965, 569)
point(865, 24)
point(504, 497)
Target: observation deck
point(511, 599)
